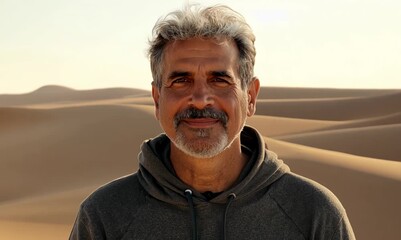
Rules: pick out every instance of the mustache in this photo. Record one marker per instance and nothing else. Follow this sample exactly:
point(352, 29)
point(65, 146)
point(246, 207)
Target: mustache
point(200, 113)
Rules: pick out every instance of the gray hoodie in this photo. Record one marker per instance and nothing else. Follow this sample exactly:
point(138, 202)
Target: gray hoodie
point(266, 202)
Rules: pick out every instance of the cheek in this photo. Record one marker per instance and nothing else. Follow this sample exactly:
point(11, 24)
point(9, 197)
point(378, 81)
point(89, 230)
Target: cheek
point(173, 98)
point(242, 101)
point(237, 108)
point(167, 108)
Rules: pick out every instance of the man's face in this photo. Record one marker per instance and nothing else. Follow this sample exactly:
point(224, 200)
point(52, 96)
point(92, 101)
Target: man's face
point(201, 105)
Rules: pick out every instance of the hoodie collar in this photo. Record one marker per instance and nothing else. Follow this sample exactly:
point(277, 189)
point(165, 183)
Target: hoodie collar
point(158, 178)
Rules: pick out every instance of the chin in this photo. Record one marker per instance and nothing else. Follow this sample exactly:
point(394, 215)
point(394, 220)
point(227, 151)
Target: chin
point(203, 147)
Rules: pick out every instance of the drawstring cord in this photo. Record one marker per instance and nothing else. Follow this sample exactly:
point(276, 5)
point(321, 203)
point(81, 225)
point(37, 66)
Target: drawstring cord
point(231, 198)
point(188, 195)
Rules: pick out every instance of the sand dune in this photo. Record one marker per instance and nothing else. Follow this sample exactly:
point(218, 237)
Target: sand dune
point(58, 144)
point(58, 94)
point(332, 109)
point(84, 140)
point(305, 93)
point(375, 141)
point(277, 126)
point(32, 231)
point(392, 118)
point(59, 207)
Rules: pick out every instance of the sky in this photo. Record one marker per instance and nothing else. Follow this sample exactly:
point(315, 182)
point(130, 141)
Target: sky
point(89, 44)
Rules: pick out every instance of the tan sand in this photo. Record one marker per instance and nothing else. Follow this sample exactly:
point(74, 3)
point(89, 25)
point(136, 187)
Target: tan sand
point(278, 126)
point(305, 93)
point(375, 141)
point(337, 109)
point(33, 231)
point(57, 145)
point(58, 94)
point(84, 140)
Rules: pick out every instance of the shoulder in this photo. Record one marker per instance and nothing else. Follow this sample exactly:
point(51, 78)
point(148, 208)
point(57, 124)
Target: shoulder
point(107, 212)
point(313, 208)
point(121, 190)
point(306, 192)
point(294, 191)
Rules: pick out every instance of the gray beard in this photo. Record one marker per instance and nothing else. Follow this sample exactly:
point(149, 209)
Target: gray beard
point(205, 149)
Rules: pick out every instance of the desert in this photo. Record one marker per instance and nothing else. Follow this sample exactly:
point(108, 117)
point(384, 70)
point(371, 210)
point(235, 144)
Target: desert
point(57, 145)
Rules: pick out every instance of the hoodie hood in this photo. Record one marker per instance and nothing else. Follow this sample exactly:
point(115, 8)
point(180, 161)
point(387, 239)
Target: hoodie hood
point(162, 184)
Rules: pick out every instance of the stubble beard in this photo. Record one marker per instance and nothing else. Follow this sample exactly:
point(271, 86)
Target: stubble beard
point(201, 142)
point(202, 146)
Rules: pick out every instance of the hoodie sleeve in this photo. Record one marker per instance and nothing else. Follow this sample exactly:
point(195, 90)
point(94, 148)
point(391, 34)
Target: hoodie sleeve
point(344, 230)
point(86, 227)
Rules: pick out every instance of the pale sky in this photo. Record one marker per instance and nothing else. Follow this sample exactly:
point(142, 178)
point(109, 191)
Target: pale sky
point(85, 44)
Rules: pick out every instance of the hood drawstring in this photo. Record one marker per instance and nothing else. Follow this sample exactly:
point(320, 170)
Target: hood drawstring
point(188, 195)
point(231, 198)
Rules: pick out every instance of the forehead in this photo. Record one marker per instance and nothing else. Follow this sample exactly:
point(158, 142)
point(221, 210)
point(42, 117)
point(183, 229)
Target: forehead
point(200, 51)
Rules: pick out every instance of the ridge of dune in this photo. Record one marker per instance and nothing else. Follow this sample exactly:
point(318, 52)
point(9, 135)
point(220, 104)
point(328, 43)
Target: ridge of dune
point(304, 93)
point(127, 101)
point(273, 126)
point(392, 118)
point(52, 89)
point(276, 126)
point(374, 166)
point(54, 94)
point(332, 109)
point(372, 141)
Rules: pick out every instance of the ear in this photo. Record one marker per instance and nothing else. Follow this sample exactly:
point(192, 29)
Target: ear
point(253, 91)
point(156, 96)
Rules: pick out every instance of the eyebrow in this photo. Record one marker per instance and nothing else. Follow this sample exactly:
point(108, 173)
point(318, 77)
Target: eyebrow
point(220, 74)
point(176, 74)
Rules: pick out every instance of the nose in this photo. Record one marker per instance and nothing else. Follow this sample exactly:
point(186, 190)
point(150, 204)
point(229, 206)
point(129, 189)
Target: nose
point(201, 96)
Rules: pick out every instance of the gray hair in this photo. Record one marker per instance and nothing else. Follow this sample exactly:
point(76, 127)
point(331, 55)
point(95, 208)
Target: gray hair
point(210, 22)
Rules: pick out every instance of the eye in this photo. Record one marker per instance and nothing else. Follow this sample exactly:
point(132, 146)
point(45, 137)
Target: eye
point(220, 82)
point(180, 82)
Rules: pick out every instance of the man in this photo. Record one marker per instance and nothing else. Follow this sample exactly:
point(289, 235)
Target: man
point(209, 176)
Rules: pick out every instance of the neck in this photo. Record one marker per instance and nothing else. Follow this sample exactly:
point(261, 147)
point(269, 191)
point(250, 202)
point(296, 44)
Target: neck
point(214, 174)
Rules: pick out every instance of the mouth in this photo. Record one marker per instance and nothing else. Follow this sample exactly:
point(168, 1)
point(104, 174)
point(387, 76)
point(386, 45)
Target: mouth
point(200, 118)
point(200, 122)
